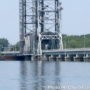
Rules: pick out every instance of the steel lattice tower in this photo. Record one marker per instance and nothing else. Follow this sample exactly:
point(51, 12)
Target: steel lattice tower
point(38, 16)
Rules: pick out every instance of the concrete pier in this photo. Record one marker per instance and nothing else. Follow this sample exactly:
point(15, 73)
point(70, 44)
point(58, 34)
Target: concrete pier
point(67, 57)
point(59, 57)
point(86, 58)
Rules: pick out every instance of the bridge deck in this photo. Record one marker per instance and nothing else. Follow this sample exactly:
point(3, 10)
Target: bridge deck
point(82, 53)
point(54, 51)
point(68, 51)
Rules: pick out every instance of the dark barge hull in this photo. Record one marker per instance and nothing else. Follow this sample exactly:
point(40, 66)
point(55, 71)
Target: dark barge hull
point(11, 57)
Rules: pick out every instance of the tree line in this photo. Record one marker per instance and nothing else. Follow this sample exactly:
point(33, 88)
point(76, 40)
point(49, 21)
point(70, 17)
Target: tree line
point(76, 41)
point(5, 45)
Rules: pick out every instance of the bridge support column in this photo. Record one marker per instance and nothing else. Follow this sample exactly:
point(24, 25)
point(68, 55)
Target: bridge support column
point(67, 57)
point(59, 57)
point(51, 57)
point(39, 50)
point(77, 58)
point(32, 58)
point(86, 57)
point(44, 57)
point(48, 57)
point(60, 42)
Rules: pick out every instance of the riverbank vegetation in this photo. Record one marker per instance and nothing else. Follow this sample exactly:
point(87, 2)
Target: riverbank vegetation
point(76, 41)
point(3, 43)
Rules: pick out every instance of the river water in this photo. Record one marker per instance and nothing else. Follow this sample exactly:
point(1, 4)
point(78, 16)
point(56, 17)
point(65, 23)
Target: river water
point(44, 75)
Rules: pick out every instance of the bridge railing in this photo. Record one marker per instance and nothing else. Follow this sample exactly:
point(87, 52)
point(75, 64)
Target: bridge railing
point(69, 49)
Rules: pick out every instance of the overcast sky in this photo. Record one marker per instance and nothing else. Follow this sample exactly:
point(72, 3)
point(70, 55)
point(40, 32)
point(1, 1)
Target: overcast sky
point(76, 18)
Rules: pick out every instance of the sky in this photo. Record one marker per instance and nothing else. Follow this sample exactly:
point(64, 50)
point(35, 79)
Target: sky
point(75, 18)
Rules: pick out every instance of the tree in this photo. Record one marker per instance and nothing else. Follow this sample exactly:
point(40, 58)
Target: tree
point(3, 43)
point(76, 41)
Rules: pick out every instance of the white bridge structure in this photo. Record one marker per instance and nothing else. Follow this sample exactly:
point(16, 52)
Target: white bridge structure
point(40, 26)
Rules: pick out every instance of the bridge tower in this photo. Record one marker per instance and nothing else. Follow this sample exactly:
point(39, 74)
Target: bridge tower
point(40, 23)
point(28, 25)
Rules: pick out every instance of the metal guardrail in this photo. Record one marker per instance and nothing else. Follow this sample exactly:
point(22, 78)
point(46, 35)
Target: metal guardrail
point(10, 52)
point(76, 49)
point(67, 51)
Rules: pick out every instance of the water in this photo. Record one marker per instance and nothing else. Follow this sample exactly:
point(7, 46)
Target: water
point(46, 75)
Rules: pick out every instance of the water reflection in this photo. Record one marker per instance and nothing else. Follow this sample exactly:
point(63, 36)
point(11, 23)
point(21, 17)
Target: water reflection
point(57, 74)
point(23, 76)
point(40, 75)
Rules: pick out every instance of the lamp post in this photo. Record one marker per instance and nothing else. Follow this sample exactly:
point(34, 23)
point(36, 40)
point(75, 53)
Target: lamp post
point(84, 41)
point(84, 47)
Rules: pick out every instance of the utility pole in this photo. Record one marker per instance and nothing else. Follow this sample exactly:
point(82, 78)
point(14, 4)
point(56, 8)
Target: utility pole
point(84, 41)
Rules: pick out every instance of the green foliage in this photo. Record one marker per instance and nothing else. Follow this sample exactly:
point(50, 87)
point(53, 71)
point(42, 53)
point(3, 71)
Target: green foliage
point(16, 46)
point(3, 43)
point(76, 41)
